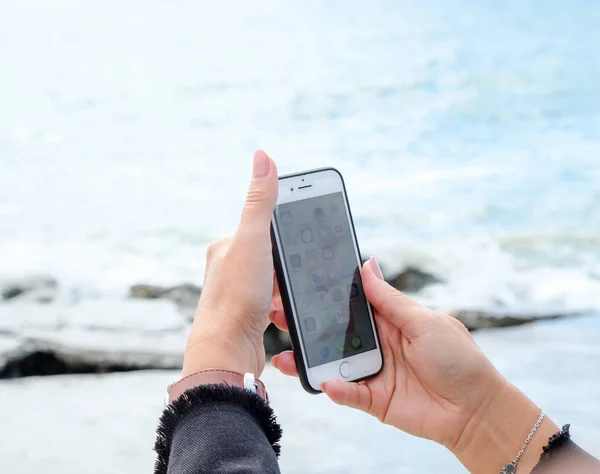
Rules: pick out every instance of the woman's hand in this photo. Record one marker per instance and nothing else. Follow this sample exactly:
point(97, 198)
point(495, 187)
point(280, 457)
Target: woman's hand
point(232, 314)
point(436, 384)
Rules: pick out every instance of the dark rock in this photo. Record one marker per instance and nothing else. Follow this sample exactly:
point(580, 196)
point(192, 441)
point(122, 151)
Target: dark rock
point(146, 291)
point(276, 341)
point(487, 319)
point(40, 289)
point(411, 280)
point(185, 295)
point(47, 363)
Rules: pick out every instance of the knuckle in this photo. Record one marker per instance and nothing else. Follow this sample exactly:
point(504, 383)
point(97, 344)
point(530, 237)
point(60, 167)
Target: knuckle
point(458, 324)
point(215, 248)
point(255, 196)
point(210, 251)
point(391, 300)
point(355, 398)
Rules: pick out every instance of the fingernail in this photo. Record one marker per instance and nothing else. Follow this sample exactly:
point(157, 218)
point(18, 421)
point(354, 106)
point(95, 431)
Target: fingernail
point(326, 385)
point(261, 164)
point(376, 268)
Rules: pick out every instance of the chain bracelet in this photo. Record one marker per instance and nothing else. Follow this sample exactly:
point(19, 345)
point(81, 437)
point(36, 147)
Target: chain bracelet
point(511, 467)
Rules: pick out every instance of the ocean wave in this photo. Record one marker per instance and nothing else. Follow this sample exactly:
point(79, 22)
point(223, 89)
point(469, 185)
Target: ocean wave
point(474, 273)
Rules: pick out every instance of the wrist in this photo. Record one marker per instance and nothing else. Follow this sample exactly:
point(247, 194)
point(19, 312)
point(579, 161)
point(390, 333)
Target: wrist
point(222, 351)
point(496, 432)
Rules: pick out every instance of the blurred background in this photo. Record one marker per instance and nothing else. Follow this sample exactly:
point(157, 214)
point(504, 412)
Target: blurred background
point(468, 133)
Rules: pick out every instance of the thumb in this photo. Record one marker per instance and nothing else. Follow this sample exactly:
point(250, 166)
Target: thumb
point(261, 198)
point(402, 311)
point(351, 394)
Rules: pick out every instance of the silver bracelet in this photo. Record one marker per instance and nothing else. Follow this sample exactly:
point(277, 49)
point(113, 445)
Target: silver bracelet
point(511, 467)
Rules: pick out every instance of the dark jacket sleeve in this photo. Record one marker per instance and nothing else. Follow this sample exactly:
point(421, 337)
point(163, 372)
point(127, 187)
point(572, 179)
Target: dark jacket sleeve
point(217, 429)
point(562, 455)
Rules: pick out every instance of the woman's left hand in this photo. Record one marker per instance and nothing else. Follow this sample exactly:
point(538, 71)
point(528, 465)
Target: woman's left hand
point(233, 311)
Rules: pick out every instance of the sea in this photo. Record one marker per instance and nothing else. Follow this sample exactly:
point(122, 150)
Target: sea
point(468, 134)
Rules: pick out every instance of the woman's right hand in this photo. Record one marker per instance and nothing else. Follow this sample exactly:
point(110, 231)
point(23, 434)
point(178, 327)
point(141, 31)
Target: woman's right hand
point(436, 384)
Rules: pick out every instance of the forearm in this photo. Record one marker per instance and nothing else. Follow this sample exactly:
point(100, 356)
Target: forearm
point(497, 432)
point(217, 429)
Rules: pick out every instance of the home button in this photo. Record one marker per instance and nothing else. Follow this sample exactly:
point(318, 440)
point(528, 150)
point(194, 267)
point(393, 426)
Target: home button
point(345, 370)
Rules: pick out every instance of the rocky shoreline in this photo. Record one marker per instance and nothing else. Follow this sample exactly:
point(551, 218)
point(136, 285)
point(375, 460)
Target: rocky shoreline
point(42, 334)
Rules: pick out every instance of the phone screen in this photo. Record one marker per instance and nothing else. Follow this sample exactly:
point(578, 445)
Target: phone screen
point(324, 275)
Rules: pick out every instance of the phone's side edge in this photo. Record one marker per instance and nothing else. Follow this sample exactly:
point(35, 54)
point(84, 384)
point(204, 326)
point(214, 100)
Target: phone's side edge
point(289, 317)
point(314, 170)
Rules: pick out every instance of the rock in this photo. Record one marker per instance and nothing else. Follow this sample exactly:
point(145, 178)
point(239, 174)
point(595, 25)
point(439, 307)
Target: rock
point(475, 319)
point(185, 296)
point(97, 336)
point(10, 348)
point(110, 316)
point(80, 351)
point(276, 341)
point(94, 336)
point(146, 291)
point(42, 289)
point(412, 280)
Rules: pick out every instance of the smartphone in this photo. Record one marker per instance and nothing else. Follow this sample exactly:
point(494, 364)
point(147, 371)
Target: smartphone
point(317, 264)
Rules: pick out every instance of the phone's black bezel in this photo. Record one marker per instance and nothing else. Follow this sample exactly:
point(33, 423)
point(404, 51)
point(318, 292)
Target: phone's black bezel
point(285, 298)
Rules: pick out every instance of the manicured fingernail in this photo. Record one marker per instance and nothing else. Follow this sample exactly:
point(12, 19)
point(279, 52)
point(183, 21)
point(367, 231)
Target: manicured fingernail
point(376, 268)
point(261, 164)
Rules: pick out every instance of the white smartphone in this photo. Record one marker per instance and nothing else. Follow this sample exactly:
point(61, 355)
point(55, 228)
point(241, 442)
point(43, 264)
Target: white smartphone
point(317, 264)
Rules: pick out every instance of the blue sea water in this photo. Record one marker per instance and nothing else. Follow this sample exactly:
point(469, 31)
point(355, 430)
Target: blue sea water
point(468, 133)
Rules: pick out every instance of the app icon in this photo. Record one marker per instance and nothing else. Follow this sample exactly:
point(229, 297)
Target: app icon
point(356, 342)
point(333, 276)
point(311, 256)
point(340, 346)
point(338, 228)
point(319, 213)
point(342, 316)
point(324, 351)
point(321, 292)
point(318, 277)
point(307, 236)
point(326, 320)
point(302, 304)
point(323, 230)
point(327, 253)
point(337, 295)
point(295, 260)
point(354, 292)
point(286, 217)
point(310, 324)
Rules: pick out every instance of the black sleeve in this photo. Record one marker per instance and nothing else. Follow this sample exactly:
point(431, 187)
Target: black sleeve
point(562, 455)
point(217, 429)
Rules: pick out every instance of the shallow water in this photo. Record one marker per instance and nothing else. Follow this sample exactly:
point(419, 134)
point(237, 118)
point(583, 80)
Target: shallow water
point(97, 423)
